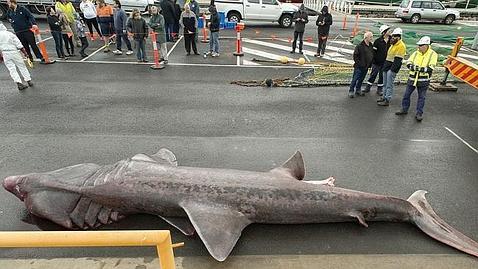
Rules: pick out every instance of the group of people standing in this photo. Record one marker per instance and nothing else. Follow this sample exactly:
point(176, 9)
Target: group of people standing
point(385, 56)
point(324, 20)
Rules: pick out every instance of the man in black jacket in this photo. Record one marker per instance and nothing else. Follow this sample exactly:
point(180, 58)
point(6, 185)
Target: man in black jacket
point(22, 21)
point(324, 20)
point(363, 56)
point(169, 15)
point(380, 47)
point(300, 19)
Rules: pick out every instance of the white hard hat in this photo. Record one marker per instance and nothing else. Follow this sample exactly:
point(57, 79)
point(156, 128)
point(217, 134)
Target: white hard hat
point(397, 31)
point(383, 28)
point(424, 41)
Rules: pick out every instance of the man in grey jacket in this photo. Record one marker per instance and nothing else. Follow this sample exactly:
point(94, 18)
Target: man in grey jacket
point(300, 19)
point(120, 18)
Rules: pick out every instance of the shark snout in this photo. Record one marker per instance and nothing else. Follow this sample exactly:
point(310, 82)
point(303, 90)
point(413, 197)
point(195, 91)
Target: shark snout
point(11, 184)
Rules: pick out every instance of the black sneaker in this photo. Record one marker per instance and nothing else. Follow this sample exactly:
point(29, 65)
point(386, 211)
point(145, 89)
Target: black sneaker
point(381, 99)
point(401, 112)
point(21, 86)
point(292, 51)
point(30, 83)
point(419, 117)
point(384, 103)
point(367, 88)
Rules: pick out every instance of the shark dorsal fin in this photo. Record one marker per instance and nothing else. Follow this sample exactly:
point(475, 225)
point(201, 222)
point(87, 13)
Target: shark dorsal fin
point(218, 226)
point(294, 167)
point(165, 156)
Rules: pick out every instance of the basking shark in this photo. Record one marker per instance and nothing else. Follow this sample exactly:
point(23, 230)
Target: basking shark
point(216, 203)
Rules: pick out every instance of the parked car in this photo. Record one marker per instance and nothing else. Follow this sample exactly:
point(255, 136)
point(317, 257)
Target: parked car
point(415, 11)
point(258, 10)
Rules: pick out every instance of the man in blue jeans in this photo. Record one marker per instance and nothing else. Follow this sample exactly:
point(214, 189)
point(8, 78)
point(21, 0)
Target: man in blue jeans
point(214, 29)
point(363, 56)
point(421, 64)
point(392, 65)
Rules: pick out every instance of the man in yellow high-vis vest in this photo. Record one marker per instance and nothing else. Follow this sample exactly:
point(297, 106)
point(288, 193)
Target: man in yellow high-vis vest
point(421, 64)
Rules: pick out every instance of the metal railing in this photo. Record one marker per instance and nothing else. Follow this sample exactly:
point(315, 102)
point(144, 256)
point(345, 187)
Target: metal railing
point(342, 6)
point(159, 238)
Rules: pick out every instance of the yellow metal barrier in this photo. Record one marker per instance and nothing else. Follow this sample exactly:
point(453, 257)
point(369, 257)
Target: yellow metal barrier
point(159, 238)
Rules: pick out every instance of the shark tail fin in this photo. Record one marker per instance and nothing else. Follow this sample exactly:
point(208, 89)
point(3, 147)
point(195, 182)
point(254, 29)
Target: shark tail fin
point(430, 223)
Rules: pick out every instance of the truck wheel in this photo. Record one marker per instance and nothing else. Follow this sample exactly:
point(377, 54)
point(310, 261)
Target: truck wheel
point(285, 21)
point(3, 12)
point(415, 18)
point(234, 17)
point(449, 19)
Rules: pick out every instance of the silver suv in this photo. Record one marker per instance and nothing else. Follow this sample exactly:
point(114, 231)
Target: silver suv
point(430, 10)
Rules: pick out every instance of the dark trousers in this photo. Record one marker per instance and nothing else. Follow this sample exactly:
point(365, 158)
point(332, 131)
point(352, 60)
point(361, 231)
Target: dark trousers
point(422, 88)
point(189, 41)
point(58, 44)
point(28, 40)
point(357, 80)
point(176, 30)
point(93, 22)
point(376, 70)
point(169, 31)
point(84, 45)
point(70, 48)
point(322, 44)
point(300, 36)
point(141, 49)
point(119, 37)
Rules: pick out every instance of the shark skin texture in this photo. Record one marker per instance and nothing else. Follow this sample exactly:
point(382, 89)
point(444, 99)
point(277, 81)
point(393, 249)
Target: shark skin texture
point(217, 204)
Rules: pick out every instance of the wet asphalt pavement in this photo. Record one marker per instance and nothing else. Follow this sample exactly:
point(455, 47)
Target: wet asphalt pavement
point(102, 113)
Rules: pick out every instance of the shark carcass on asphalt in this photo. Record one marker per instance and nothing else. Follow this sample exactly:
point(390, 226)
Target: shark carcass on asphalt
point(216, 203)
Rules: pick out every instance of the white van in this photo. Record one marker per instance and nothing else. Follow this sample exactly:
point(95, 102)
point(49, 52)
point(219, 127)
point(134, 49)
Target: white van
point(257, 10)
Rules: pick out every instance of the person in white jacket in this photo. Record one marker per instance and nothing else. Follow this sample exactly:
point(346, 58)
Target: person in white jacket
point(89, 13)
point(10, 47)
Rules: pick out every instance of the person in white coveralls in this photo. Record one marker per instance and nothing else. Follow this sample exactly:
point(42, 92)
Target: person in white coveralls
point(10, 47)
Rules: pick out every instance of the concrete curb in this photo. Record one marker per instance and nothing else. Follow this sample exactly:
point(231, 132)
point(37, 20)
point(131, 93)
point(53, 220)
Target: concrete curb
point(392, 261)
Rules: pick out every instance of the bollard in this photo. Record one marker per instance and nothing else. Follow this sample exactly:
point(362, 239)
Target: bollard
point(41, 44)
point(239, 28)
point(205, 38)
point(355, 29)
point(344, 24)
point(157, 64)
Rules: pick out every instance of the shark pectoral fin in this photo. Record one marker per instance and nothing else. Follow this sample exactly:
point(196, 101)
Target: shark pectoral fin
point(165, 156)
point(182, 224)
point(294, 167)
point(359, 217)
point(218, 226)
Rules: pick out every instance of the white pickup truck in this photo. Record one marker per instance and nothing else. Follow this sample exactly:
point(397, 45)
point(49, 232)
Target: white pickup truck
point(257, 10)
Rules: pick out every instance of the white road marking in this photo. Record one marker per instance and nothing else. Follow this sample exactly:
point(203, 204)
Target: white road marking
point(461, 139)
point(265, 54)
point(336, 58)
point(247, 62)
point(186, 64)
point(174, 46)
point(89, 56)
point(48, 38)
point(339, 50)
